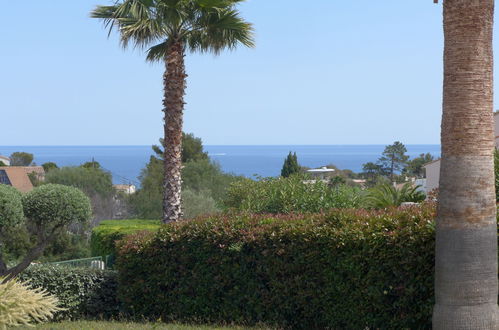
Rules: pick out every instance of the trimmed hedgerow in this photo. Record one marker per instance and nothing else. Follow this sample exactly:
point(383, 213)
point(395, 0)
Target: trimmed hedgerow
point(81, 292)
point(346, 269)
point(104, 236)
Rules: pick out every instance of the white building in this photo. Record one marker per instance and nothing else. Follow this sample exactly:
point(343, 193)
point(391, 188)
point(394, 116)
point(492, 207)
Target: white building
point(321, 173)
point(125, 188)
point(432, 169)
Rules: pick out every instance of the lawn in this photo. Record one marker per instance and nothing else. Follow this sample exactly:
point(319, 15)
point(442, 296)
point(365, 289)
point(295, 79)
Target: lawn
point(101, 325)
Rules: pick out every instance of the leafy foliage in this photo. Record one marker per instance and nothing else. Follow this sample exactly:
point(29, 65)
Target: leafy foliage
point(386, 195)
point(20, 305)
point(203, 180)
point(92, 181)
point(49, 166)
point(108, 232)
point(288, 195)
point(415, 166)
point(81, 292)
point(21, 159)
point(345, 269)
point(11, 207)
point(290, 166)
point(56, 206)
point(49, 210)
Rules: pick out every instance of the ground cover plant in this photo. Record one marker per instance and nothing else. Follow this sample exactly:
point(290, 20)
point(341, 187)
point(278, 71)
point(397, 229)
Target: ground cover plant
point(343, 269)
point(287, 195)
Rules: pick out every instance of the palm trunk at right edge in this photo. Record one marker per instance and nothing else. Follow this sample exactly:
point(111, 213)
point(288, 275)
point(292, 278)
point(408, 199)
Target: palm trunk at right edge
point(466, 239)
point(174, 84)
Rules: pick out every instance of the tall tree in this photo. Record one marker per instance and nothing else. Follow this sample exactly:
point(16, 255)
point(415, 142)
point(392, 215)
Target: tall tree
point(290, 165)
point(21, 159)
point(466, 284)
point(172, 27)
point(393, 158)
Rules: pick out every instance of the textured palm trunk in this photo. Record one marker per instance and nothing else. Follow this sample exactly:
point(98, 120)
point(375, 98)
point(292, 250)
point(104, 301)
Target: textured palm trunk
point(466, 240)
point(173, 102)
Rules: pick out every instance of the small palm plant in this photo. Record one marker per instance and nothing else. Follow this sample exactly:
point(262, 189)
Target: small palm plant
point(171, 28)
point(20, 305)
point(386, 195)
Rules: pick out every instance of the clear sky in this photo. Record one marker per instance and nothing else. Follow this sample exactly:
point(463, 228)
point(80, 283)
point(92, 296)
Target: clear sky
point(323, 72)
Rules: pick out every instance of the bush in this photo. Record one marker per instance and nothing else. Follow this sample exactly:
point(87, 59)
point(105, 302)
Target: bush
point(386, 195)
point(54, 205)
point(104, 236)
point(88, 293)
point(346, 269)
point(11, 207)
point(20, 305)
point(287, 195)
point(49, 211)
point(197, 203)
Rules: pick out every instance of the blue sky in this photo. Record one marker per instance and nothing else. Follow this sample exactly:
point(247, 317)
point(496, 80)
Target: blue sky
point(323, 72)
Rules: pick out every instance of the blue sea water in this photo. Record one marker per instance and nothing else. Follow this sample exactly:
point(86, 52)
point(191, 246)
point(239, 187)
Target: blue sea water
point(126, 162)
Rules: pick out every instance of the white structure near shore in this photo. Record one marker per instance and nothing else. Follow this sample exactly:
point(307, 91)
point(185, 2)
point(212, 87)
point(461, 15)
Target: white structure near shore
point(5, 160)
point(432, 169)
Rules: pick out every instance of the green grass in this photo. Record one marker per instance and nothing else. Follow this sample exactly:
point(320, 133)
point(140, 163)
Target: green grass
point(102, 325)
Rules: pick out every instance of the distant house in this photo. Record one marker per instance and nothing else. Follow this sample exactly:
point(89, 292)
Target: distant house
point(5, 160)
point(320, 173)
point(125, 188)
point(17, 176)
point(432, 169)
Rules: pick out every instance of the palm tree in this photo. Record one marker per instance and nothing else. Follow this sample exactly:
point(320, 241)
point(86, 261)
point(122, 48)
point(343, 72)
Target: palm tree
point(170, 28)
point(466, 285)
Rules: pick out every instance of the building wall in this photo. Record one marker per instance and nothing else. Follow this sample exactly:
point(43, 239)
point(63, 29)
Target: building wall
point(432, 175)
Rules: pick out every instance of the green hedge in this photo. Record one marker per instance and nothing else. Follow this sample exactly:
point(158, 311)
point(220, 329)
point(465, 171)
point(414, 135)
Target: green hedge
point(104, 236)
point(346, 269)
point(83, 293)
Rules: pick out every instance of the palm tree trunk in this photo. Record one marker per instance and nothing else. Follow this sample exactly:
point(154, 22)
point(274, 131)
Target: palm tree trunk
point(173, 102)
point(466, 285)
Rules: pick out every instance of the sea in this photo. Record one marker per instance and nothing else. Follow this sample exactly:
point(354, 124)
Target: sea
point(126, 162)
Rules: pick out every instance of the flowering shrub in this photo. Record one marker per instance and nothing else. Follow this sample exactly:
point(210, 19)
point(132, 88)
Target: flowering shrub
point(341, 269)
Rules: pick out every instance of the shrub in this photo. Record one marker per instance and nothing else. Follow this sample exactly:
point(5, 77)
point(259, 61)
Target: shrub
point(49, 211)
point(82, 292)
point(197, 203)
point(287, 195)
point(386, 195)
point(11, 207)
point(104, 236)
point(20, 305)
point(345, 269)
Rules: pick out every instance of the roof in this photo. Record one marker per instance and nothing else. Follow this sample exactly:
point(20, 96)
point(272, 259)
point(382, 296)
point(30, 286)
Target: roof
point(433, 161)
point(3, 157)
point(18, 176)
point(321, 170)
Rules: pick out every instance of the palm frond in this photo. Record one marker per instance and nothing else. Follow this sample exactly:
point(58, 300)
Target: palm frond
point(157, 53)
point(220, 29)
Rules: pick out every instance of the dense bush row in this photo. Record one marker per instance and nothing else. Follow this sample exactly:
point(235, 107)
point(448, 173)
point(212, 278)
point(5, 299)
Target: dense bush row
point(287, 195)
point(104, 236)
point(345, 269)
point(82, 293)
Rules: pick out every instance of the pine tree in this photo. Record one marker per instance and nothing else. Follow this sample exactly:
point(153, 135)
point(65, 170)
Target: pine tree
point(290, 165)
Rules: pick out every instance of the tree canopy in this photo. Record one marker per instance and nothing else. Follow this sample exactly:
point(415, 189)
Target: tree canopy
point(21, 159)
